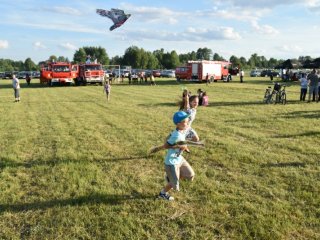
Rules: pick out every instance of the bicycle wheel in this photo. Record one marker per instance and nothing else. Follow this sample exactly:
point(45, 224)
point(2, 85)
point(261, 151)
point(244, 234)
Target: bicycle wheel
point(266, 97)
point(283, 98)
point(272, 98)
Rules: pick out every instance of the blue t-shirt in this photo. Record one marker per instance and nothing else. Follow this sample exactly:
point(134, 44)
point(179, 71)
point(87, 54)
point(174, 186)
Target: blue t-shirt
point(173, 156)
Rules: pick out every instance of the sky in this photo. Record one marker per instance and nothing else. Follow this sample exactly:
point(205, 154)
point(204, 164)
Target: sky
point(280, 29)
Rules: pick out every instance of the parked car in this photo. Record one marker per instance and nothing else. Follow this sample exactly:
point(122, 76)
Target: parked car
point(156, 73)
point(1, 74)
point(255, 73)
point(268, 73)
point(35, 74)
point(168, 73)
point(22, 75)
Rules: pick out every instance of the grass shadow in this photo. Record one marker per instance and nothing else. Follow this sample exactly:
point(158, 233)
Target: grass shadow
point(6, 163)
point(25, 86)
point(305, 134)
point(303, 114)
point(92, 199)
point(282, 165)
point(248, 103)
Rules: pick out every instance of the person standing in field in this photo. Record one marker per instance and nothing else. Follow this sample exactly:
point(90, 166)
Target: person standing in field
point(313, 84)
point(28, 78)
point(16, 88)
point(107, 89)
point(176, 167)
point(304, 87)
point(190, 105)
point(241, 75)
point(152, 81)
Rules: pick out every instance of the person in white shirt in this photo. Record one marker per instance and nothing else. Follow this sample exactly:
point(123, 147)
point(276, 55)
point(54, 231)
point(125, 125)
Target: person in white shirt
point(241, 75)
point(16, 88)
point(304, 87)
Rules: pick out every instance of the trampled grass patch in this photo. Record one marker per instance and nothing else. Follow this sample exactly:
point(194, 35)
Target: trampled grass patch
point(74, 166)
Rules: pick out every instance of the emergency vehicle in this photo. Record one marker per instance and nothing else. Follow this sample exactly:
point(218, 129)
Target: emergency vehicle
point(61, 73)
point(203, 70)
point(89, 73)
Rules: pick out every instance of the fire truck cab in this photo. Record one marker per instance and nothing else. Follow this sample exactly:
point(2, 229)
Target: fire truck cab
point(90, 73)
point(61, 73)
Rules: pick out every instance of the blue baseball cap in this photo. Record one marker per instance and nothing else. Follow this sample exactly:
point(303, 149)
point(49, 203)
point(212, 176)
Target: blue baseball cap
point(179, 117)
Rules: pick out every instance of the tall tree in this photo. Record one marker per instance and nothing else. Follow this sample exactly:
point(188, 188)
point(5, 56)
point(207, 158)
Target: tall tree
point(96, 53)
point(204, 53)
point(29, 65)
point(132, 57)
point(217, 57)
point(53, 58)
point(80, 56)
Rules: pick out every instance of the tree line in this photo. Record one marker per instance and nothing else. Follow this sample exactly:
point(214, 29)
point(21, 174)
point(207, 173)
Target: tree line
point(141, 59)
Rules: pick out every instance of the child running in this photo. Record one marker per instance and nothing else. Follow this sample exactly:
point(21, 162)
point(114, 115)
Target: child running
point(107, 89)
point(176, 167)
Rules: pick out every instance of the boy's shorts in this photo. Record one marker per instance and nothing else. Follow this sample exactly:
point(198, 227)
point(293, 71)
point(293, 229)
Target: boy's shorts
point(178, 171)
point(191, 133)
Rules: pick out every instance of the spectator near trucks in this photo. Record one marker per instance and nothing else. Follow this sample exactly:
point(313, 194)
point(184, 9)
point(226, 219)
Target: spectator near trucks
point(61, 73)
point(89, 73)
point(198, 70)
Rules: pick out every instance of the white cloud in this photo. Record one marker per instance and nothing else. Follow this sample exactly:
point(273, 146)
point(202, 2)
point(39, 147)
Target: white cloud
point(264, 29)
point(290, 48)
point(190, 34)
point(68, 46)
point(261, 4)
point(38, 45)
point(62, 10)
point(4, 44)
point(154, 14)
point(59, 26)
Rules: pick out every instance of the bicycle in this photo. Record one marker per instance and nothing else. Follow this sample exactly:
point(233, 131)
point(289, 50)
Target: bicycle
point(277, 95)
point(268, 96)
point(281, 95)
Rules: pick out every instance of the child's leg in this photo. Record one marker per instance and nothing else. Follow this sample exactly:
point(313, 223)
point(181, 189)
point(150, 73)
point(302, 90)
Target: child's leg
point(186, 171)
point(173, 174)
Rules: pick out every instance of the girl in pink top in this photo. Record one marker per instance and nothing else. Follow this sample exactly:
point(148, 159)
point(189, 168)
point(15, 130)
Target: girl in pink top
point(205, 99)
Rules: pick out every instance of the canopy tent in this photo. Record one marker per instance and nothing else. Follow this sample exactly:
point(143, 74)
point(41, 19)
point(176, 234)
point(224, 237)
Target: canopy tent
point(315, 63)
point(285, 65)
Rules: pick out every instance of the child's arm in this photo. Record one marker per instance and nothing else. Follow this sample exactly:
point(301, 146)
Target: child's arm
point(186, 102)
point(167, 146)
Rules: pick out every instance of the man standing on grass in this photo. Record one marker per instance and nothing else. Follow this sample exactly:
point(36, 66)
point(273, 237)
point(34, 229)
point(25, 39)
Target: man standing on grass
point(241, 75)
point(313, 85)
point(16, 88)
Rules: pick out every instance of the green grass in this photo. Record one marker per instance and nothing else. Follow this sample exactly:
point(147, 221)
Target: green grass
point(73, 166)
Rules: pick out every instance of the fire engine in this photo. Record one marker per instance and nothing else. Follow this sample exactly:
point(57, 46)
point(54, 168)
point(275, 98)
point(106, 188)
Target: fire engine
point(203, 70)
point(90, 73)
point(58, 73)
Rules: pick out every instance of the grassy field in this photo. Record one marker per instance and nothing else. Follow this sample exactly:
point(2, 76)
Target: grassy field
point(73, 166)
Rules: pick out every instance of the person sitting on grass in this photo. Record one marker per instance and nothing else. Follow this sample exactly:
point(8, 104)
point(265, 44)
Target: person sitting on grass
point(205, 99)
point(176, 167)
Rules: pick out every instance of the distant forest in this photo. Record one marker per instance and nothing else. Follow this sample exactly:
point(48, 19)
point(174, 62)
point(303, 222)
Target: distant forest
point(159, 59)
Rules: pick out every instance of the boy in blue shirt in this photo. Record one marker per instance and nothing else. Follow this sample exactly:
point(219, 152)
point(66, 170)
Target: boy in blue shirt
point(176, 166)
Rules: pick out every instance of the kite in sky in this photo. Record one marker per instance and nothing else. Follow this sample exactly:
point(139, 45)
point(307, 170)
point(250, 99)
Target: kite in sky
point(116, 15)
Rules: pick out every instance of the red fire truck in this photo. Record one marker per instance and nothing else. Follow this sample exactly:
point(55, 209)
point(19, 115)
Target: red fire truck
point(89, 73)
point(203, 70)
point(61, 73)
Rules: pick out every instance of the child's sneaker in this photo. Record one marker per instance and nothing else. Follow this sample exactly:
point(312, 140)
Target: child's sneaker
point(165, 196)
